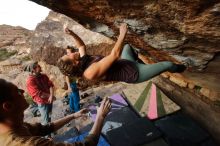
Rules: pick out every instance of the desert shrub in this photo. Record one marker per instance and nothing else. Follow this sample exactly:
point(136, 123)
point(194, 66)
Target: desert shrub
point(4, 54)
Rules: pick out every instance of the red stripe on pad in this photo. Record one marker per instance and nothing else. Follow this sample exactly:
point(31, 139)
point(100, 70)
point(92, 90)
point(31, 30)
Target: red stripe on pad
point(152, 111)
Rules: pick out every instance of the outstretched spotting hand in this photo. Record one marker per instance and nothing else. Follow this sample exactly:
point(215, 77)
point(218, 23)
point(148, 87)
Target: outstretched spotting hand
point(82, 112)
point(104, 108)
point(123, 29)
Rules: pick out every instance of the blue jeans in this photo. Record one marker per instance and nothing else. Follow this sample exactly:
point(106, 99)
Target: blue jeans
point(45, 111)
point(74, 98)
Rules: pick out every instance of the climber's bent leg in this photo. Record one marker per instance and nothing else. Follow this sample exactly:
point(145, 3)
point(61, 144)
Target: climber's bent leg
point(128, 53)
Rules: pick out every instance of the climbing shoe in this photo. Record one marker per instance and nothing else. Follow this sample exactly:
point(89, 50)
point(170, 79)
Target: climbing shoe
point(178, 68)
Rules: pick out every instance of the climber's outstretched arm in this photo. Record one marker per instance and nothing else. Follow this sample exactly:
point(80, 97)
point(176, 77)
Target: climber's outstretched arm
point(78, 42)
point(98, 69)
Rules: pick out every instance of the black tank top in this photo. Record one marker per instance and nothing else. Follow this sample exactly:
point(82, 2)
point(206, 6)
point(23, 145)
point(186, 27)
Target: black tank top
point(121, 70)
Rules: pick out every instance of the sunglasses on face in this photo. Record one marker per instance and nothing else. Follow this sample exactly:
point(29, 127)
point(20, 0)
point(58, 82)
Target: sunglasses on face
point(75, 50)
point(72, 49)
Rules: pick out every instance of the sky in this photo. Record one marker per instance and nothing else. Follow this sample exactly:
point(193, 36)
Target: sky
point(22, 13)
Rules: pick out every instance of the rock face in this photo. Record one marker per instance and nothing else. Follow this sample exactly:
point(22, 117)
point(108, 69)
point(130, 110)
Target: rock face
point(181, 31)
point(187, 30)
point(49, 39)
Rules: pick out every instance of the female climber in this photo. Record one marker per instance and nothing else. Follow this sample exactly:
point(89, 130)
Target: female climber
point(119, 65)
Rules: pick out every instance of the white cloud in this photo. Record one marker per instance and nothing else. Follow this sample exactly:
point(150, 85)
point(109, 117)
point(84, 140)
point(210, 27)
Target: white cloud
point(22, 13)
